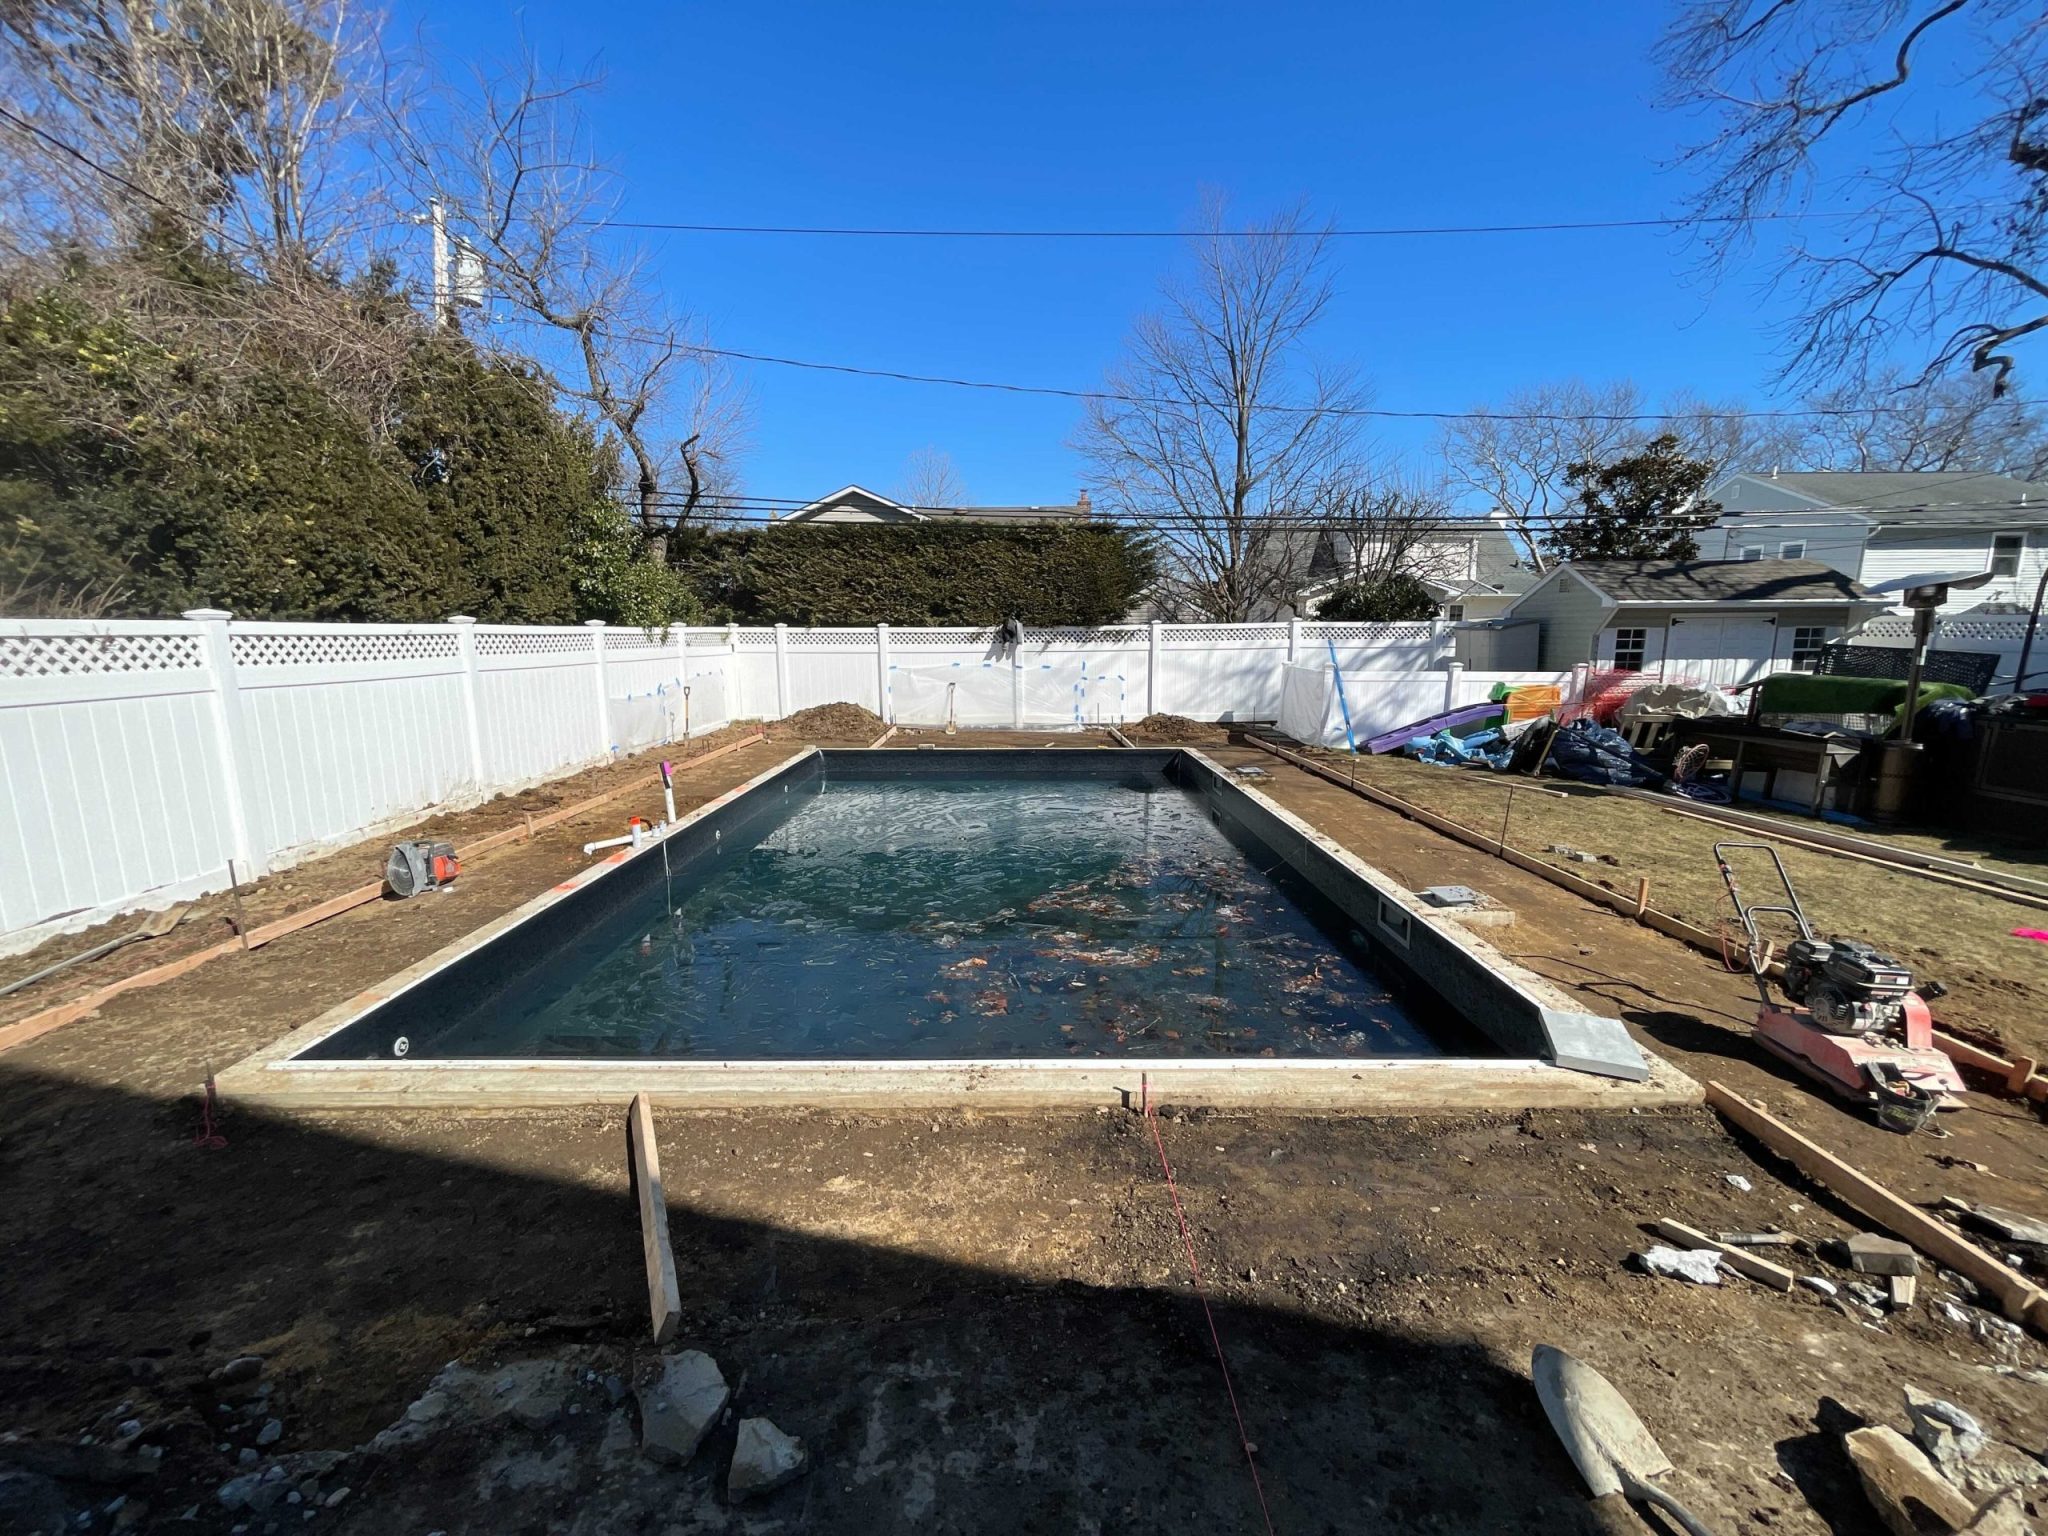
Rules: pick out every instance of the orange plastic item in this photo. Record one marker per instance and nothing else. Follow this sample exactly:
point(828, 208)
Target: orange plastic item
point(1532, 702)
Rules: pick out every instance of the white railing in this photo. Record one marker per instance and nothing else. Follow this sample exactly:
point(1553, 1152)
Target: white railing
point(140, 758)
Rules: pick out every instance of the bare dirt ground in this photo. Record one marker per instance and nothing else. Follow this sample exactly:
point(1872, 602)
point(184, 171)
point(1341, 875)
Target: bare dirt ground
point(976, 1323)
point(1998, 984)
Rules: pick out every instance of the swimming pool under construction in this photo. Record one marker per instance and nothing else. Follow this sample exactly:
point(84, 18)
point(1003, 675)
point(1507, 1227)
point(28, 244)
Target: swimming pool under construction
point(1006, 927)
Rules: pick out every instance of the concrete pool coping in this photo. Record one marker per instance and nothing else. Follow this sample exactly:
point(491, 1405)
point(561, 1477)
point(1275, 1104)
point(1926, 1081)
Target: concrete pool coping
point(273, 1077)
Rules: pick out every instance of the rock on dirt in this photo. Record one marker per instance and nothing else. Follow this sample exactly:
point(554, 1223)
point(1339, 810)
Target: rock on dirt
point(829, 722)
point(1169, 728)
point(31, 1502)
point(680, 1404)
point(764, 1460)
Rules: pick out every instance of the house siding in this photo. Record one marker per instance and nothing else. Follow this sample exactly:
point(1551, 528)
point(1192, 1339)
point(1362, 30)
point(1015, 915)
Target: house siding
point(1834, 540)
point(1893, 556)
point(1571, 615)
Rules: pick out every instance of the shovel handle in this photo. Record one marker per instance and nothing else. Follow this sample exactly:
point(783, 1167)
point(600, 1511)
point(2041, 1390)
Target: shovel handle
point(1650, 1493)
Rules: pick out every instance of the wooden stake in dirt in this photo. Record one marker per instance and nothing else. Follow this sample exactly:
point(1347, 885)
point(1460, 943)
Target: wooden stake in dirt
point(664, 1296)
point(37, 1024)
point(2020, 1299)
point(241, 917)
point(1762, 1271)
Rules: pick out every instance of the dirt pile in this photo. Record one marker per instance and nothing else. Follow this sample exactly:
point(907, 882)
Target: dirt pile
point(1168, 728)
point(829, 722)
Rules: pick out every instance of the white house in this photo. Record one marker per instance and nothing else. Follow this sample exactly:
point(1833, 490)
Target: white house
point(856, 504)
point(1878, 527)
point(1473, 573)
point(1707, 621)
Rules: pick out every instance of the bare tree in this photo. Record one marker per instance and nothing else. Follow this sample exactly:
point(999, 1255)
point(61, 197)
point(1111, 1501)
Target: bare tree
point(1217, 427)
point(1948, 259)
point(930, 480)
point(217, 159)
point(1375, 526)
point(243, 126)
point(1961, 423)
point(525, 190)
point(1515, 457)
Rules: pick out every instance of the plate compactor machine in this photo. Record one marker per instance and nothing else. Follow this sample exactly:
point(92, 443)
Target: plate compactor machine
point(1853, 1018)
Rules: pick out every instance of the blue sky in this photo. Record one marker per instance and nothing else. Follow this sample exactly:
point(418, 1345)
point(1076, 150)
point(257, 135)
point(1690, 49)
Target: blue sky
point(1119, 114)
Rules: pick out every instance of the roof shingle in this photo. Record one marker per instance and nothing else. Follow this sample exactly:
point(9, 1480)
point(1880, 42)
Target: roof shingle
point(1719, 581)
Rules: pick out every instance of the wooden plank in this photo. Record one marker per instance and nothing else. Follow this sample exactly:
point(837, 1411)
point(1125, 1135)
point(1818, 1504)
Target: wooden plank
point(1119, 737)
point(334, 906)
point(25, 1030)
point(883, 739)
point(665, 1299)
point(1761, 1270)
point(2020, 1299)
point(37, 1024)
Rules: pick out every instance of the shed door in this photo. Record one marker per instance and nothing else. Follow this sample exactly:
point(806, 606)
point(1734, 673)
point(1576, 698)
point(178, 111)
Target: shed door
point(1719, 650)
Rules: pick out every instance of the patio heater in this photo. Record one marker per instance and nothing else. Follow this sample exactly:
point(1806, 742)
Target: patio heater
point(1923, 597)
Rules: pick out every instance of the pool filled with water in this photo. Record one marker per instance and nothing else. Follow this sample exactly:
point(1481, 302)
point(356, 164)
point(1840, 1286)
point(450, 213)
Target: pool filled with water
point(945, 919)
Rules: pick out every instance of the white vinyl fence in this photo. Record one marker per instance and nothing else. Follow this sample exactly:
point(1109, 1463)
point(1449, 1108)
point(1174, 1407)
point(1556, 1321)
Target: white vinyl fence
point(139, 757)
point(1998, 634)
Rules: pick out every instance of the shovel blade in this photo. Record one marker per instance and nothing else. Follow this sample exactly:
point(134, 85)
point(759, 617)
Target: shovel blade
point(1601, 1433)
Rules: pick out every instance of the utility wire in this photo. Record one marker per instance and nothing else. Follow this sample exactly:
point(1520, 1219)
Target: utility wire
point(1386, 232)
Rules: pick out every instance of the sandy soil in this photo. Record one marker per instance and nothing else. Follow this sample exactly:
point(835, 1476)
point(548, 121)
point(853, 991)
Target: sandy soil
point(976, 1323)
point(1998, 984)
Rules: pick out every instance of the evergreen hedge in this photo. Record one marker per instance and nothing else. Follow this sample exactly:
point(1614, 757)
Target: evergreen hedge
point(918, 573)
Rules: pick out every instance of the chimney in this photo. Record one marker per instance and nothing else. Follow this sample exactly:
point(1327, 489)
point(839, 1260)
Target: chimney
point(1082, 502)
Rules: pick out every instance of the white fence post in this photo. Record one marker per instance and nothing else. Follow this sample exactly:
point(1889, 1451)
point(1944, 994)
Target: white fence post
point(1155, 692)
point(1017, 687)
point(604, 721)
point(1453, 671)
point(465, 640)
point(1293, 640)
point(683, 675)
point(882, 673)
point(246, 829)
point(781, 671)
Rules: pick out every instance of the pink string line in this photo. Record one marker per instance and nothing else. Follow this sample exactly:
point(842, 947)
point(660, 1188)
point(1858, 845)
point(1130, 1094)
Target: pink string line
point(1215, 1338)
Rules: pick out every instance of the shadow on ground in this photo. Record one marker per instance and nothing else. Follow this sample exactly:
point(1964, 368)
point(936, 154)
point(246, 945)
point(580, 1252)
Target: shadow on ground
point(934, 1396)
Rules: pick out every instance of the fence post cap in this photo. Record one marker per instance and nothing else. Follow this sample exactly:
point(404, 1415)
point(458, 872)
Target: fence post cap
point(593, 623)
point(206, 615)
point(461, 618)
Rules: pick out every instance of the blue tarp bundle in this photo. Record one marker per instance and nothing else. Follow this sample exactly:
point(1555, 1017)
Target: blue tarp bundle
point(1593, 754)
point(1482, 749)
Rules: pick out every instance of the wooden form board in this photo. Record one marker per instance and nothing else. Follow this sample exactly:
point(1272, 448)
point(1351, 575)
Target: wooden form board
point(1742, 1262)
point(2018, 1297)
point(2028, 1083)
point(664, 1296)
point(36, 1024)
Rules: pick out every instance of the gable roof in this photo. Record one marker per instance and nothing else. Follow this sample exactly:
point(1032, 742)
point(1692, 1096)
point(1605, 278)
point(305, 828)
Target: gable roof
point(858, 498)
point(1717, 581)
point(1928, 497)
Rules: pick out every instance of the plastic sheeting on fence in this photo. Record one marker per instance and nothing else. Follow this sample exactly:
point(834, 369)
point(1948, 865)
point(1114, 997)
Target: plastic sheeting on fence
point(1312, 712)
point(999, 693)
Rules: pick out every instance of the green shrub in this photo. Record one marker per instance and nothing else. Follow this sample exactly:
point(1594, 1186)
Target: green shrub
point(1395, 599)
point(918, 573)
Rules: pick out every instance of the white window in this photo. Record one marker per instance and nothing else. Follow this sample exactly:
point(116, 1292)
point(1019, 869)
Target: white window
point(2006, 549)
point(1792, 549)
point(1455, 612)
point(1807, 641)
point(1752, 552)
point(1629, 646)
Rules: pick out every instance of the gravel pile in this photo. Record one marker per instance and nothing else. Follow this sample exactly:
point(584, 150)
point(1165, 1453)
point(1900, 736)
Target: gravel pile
point(1169, 728)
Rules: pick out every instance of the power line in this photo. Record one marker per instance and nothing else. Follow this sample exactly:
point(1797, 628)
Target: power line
point(1359, 411)
point(1385, 232)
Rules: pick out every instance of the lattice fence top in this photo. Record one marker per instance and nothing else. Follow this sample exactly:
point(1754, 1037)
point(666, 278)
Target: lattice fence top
point(842, 639)
point(1352, 634)
point(627, 642)
point(87, 655)
point(1223, 636)
point(533, 642)
point(340, 646)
